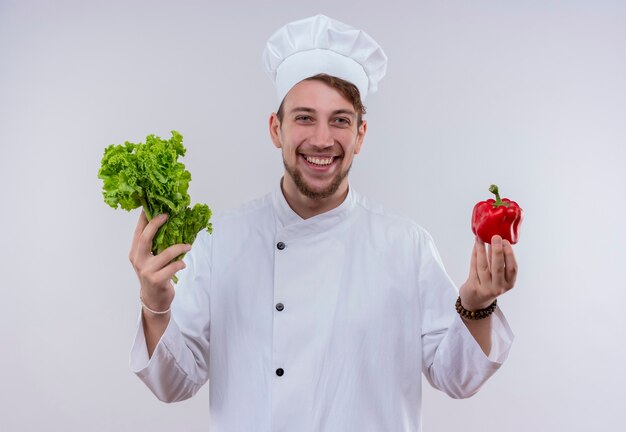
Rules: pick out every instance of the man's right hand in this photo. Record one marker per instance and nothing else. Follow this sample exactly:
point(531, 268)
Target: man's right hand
point(155, 272)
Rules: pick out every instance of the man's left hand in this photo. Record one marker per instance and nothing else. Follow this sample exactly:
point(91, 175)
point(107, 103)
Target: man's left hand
point(491, 274)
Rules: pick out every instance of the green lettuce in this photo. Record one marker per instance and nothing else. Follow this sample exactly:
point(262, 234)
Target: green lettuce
point(150, 176)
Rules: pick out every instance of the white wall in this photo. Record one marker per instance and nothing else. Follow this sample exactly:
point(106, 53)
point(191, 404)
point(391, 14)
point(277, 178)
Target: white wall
point(530, 95)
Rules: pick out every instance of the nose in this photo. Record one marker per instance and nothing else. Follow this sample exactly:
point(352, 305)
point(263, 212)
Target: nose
point(322, 136)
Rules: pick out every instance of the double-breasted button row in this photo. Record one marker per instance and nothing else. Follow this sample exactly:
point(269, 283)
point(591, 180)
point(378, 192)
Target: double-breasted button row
point(280, 307)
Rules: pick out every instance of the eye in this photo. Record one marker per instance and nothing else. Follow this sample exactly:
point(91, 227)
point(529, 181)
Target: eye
point(304, 118)
point(342, 121)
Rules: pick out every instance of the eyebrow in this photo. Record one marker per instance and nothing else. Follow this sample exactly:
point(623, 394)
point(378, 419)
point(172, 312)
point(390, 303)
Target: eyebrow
point(311, 110)
point(345, 111)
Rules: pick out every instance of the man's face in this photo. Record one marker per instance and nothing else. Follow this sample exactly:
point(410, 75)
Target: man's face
point(319, 137)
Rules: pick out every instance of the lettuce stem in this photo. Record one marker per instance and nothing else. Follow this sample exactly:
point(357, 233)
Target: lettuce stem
point(146, 209)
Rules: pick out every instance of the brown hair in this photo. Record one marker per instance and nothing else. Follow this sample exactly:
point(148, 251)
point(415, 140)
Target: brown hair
point(346, 88)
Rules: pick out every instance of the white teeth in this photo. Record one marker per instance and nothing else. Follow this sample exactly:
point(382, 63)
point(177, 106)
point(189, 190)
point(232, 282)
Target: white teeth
point(319, 161)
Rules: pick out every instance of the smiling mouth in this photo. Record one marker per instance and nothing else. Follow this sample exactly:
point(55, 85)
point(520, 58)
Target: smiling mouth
point(320, 161)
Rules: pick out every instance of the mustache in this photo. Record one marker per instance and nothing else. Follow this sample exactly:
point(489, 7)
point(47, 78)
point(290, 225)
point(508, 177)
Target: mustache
point(314, 151)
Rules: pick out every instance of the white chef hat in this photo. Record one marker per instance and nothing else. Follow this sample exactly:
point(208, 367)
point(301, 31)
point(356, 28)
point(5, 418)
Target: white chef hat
point(318, 44)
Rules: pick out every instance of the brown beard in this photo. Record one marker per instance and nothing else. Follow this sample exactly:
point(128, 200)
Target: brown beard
point(303, 187)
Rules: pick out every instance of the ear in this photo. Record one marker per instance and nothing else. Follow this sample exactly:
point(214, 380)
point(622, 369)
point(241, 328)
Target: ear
point(360, 136)
point(274, 124)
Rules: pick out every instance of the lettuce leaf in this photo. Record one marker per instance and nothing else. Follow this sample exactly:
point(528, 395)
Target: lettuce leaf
point(149, 175)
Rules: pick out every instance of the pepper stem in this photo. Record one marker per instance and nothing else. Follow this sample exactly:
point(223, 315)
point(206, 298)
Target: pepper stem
point(499, 203)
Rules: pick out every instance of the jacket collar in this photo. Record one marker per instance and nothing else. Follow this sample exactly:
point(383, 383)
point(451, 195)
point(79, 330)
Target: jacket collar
point(290, 223)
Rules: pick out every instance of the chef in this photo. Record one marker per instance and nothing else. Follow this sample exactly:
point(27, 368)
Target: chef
point(313, 308)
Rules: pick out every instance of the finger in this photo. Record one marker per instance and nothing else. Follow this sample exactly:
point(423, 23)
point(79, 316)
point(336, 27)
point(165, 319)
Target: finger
point(164, 258)
point(473, 272)
point(145, 240)
point(497, 262)
point(169, 271)
point(482, 265)
point(141, 225)
point(510, 263)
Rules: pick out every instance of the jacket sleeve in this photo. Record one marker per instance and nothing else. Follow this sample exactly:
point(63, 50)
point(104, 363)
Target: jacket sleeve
point(179, 365)
point(452, 360)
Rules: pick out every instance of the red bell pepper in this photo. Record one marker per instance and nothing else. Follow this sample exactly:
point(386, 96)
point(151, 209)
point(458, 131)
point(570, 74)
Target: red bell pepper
point(500, 216)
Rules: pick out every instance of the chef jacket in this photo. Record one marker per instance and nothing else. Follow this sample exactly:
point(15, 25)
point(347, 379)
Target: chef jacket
point(319, 324)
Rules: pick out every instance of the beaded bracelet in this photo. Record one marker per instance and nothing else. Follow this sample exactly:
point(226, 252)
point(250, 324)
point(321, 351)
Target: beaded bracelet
point(475, 315)
point(151, 310)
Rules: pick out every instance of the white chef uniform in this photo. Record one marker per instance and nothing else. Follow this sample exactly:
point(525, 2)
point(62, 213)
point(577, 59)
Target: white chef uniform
point(321, 324)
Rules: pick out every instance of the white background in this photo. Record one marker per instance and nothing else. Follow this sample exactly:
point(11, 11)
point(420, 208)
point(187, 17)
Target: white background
point(529, 95)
